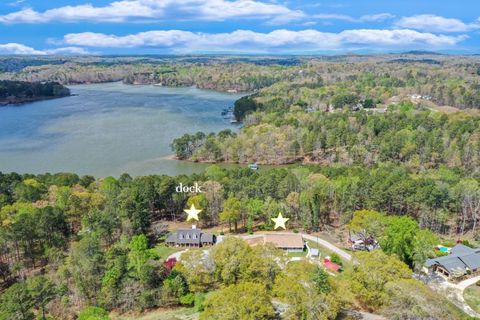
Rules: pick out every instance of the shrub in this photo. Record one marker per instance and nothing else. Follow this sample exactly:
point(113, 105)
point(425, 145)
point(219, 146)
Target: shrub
point(199, 300)
point(336, 259)
point(93, 313)
point(188, 299)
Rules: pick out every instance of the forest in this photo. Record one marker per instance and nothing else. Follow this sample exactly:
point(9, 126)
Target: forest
point(403, 134)
point(312, 81)
point(13, 92)
point(87, 245)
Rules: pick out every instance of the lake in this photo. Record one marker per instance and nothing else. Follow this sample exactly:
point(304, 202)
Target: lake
point(108, 129)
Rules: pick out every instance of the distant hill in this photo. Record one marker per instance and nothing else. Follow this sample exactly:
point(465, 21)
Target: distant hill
point(422, 52)
point(15, 92)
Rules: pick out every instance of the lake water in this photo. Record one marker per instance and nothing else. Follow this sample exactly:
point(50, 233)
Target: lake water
point(108, 129)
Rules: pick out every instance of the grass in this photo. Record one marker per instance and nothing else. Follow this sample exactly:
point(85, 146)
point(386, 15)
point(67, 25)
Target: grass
point(298, 254)
point(472, 297)
point(160, 314)
point(163, 251)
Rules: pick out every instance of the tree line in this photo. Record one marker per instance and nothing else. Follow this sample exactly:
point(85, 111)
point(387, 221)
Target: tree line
point(19, 91)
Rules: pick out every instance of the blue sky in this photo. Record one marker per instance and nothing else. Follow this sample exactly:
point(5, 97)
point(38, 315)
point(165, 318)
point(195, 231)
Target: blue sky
point(237, 26)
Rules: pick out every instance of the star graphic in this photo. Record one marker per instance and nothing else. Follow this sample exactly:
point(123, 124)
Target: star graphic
point(192, 213)
point(280, 221)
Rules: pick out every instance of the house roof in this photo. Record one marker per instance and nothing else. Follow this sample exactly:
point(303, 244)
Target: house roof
point(285, 241)
point(472, 260)
point(460, 257)
point(461, 249)
point(206, 237)
point(189, 236)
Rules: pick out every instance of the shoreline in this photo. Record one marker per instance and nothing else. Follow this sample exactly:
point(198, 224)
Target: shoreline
point(173, 157)
point(19, 102)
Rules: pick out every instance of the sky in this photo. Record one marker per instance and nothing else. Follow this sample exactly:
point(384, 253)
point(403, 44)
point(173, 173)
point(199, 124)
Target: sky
point(40, 27)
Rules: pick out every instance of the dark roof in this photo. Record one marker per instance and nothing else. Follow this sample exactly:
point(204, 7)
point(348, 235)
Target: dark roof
point(460, 257)
point(189, 236)
point(472, 260)
point(460, 249)
point(206, 237)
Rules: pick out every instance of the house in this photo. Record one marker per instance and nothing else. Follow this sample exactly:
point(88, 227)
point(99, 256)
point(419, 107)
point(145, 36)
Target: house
point(290, 242)
point(190, 238)
point(461, 261)
point(362, 241)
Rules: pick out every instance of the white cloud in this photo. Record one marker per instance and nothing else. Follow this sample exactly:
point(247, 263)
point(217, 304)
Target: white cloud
point(377, 17)
point(366, 18)
point(16, 3)
point(21, 49)
point(152, 10)
point(17, 48)
point(433, 23)
point(329, 16)
point(67, 51)
point(276, 41)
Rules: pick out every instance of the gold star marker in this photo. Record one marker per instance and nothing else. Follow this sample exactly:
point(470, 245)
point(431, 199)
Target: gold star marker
point(280, 221)
point(192, 213)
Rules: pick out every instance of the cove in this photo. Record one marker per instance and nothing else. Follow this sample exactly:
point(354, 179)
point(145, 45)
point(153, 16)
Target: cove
point(109, 129)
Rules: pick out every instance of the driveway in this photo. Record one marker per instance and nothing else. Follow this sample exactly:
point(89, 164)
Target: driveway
point(176, 255)
point(342, 253)
point(462, 285)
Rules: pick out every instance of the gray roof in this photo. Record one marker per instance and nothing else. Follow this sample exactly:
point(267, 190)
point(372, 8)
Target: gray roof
point(189, 236)
point(472, 260)
point(460, 257)
point(206, 237)
point(460, 249)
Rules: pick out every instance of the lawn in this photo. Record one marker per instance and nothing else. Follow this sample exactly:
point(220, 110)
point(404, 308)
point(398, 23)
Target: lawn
point(472, 297)
point(163, 251)
point(298, 254)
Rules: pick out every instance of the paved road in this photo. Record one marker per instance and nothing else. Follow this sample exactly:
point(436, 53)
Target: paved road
point(343, 254)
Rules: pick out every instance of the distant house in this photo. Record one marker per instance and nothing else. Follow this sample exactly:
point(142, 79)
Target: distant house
point(288, 242)
point(461, 261)
point(362, 241)
point(190, 238)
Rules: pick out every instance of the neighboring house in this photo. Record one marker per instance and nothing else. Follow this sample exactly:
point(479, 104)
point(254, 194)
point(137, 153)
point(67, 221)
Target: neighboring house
point(288, 242)
point(360, 241)
point(190, 238)
point(461, 261)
